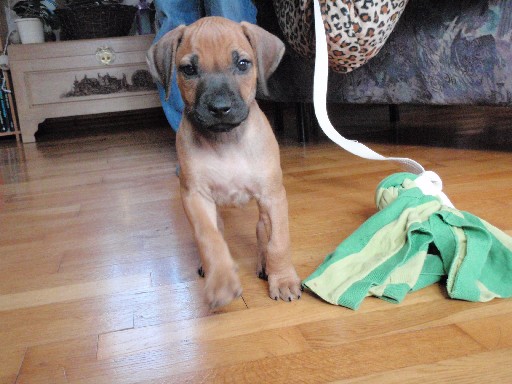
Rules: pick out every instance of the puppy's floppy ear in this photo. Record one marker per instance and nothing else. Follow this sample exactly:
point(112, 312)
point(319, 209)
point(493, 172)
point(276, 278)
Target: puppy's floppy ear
point(161, 57)
point(269, 51)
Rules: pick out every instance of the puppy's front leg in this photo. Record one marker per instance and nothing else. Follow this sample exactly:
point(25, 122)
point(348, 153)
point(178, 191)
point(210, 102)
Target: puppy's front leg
point(282, 278)
point(222, 282)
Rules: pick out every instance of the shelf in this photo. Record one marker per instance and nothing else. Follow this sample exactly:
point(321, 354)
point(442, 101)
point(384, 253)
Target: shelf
point(8, 85)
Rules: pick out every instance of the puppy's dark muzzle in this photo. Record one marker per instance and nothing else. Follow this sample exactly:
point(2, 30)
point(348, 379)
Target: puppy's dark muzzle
point(219, 106)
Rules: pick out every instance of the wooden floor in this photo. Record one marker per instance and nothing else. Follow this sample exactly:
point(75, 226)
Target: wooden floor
point(98, 278)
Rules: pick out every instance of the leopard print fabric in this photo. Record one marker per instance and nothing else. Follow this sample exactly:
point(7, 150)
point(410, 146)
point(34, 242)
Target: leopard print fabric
point(356, 29)
point(295, 18)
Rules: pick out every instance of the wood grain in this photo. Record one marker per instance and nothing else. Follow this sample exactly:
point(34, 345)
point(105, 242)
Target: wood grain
point(98, 279)
point(491, 367)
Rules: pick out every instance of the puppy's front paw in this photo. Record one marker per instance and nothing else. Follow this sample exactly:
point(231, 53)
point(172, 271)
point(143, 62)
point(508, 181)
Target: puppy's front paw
point(222, 287)
point(286, 286)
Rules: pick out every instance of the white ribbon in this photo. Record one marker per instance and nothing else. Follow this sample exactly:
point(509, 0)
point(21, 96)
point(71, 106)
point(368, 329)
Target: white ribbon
point(320, 104)
point(429, 182)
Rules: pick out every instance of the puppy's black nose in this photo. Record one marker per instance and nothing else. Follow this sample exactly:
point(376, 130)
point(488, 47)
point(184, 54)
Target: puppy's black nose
point(219, 108)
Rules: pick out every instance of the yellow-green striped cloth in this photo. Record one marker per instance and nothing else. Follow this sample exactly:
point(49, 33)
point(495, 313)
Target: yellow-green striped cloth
point(412, 242)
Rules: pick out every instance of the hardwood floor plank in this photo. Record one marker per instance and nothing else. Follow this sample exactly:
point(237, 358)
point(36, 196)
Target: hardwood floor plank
point(10, 363)
point(493, 332)
point(46, 363)
point(17, 257)
point(36, 278)
point(361, 358)
point(485, 367)
point(392, 320)
point(166, 305)
point(210, 328)
point(178, 358)
point(53, 323)
point(46, 296)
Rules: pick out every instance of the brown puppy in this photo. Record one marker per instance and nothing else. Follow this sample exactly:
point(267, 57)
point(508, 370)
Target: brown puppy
point(226, 148)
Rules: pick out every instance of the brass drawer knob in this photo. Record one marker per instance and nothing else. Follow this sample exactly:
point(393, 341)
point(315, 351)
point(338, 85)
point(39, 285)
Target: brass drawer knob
point(105, 55)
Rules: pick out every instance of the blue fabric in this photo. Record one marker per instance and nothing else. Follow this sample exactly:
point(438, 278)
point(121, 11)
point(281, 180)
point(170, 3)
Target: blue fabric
point(172, 13)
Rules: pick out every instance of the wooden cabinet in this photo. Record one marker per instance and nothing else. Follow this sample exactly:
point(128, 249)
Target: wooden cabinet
point(80, 77)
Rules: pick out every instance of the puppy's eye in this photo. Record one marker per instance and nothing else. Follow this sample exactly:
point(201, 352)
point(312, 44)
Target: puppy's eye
point(243, 65)
point(188, 70)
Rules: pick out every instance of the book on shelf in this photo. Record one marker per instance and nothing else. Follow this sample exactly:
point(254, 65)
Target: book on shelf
point(4, 127)
point(6, 113)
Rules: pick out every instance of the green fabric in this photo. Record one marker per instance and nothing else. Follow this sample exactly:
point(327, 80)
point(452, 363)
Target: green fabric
point(412, 242)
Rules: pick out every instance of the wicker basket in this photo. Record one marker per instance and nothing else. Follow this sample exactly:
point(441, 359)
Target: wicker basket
point(95, 21)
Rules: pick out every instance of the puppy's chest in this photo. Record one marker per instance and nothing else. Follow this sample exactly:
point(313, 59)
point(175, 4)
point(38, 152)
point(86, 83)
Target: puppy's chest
point(232, 183)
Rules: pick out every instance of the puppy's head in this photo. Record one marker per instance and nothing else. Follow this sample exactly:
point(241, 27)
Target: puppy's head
point(218, 64)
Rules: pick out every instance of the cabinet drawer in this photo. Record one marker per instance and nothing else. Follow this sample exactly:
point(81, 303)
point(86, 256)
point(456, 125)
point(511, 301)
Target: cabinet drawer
point(63, 49)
